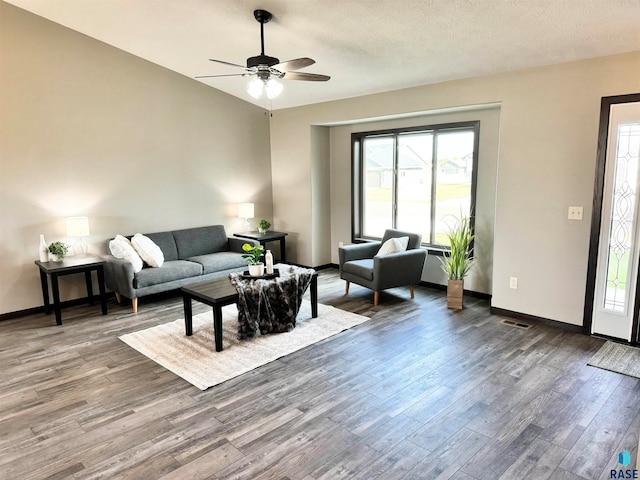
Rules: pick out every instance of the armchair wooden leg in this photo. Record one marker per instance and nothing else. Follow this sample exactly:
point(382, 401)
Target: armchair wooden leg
point(134, 304)
point(376, 297)
point(118, 297)
point(346, 289)
point(411, 290)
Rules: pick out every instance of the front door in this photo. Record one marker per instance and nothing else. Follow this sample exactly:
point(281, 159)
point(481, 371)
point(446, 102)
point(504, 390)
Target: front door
point(615, 298)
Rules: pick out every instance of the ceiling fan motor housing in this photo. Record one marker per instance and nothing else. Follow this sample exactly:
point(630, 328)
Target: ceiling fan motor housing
point(262, 60)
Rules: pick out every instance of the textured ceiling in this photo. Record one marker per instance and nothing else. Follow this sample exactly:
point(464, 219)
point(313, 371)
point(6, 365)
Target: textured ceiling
point(366, 46)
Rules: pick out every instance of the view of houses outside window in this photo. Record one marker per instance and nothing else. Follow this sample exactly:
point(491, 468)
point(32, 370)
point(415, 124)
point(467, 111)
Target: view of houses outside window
point(402, 188)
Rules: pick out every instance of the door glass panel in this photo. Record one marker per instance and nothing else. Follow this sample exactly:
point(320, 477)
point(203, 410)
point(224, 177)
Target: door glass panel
point(623, 213)
point(378, 186)
point(415, 158)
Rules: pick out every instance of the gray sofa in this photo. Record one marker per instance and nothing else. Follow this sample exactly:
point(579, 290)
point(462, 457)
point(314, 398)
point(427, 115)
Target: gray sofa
point(190, 256)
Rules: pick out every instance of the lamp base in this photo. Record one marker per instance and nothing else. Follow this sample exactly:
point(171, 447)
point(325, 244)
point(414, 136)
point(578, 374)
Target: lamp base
point(80, 248)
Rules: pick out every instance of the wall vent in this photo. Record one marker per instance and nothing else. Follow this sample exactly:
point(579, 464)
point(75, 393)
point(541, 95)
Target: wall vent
point(512, 323)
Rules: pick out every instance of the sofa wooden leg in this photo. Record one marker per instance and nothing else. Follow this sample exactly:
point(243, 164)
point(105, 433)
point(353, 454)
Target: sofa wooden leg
point(411, 290)
point(376, 297)
point(346, 287)
point(118, 297)
point(134, 304)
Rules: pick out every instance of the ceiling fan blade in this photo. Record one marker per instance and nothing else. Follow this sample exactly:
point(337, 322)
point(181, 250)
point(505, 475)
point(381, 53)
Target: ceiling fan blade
point(294, 64)
point(229, 75)
point(227, 63)
point(313, 77)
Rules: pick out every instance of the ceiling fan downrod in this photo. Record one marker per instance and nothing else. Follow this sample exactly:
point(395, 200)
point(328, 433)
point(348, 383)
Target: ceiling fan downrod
point(262, 16)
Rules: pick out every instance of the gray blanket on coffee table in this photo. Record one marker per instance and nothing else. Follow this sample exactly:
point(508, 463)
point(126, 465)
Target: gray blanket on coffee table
point(270, 306)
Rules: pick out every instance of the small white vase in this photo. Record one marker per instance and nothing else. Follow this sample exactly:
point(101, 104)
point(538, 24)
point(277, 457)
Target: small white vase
point(54, 258)
point(43, 250)
point(256, 270)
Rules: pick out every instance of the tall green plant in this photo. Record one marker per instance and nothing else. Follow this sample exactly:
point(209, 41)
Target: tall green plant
point(457, 264)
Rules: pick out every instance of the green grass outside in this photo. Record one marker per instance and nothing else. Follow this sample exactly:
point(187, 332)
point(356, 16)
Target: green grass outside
point(617, 268)
point(445, 192)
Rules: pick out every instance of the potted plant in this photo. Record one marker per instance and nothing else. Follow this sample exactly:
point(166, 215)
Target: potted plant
point(254, 259)
point(457, 263)
point(57, 251)
point(263, 226)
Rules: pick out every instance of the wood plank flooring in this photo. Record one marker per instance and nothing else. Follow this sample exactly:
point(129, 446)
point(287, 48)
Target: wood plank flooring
point(417, 392)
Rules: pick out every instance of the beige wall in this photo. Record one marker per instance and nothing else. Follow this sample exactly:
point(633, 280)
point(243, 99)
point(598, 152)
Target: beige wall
point(86, 129)
point(547, 148)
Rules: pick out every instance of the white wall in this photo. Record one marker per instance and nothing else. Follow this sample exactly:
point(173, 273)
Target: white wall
point(547, 149)
point(86, 129)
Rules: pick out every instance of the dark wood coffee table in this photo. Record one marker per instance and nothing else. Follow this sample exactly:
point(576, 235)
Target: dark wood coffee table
point(220, 292)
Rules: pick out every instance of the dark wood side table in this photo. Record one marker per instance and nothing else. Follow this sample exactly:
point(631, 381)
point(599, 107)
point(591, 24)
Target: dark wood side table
point(70, 265)
point(263, 238)
point(220, 292)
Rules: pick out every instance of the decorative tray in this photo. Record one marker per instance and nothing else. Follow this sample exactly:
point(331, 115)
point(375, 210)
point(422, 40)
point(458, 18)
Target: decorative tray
point(266, 276)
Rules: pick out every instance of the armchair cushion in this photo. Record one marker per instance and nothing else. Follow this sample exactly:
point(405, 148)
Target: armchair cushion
point(361, 268)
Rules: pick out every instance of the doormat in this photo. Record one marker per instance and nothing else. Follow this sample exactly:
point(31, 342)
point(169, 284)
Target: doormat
point(617, 358)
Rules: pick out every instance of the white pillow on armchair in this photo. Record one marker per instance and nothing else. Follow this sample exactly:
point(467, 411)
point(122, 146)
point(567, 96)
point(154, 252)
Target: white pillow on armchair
point(394, 245)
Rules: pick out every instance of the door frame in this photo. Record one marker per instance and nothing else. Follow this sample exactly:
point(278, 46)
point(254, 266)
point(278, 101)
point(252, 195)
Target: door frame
point(596, 216)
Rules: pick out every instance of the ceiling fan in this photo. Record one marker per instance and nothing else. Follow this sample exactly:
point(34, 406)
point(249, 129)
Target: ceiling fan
point(266, 70)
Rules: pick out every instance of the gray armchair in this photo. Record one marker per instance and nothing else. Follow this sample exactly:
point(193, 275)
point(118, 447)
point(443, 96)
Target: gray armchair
point(360, 264)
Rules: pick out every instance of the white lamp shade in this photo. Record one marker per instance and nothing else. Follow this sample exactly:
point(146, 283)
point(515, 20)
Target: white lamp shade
point(245, 210)
point(77, 227)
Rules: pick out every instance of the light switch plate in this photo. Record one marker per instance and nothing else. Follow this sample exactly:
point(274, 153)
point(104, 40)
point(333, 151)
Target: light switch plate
point(575, 213)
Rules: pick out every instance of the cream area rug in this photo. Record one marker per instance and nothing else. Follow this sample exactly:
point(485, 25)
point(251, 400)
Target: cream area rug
point(618, 358)
point(195, 358)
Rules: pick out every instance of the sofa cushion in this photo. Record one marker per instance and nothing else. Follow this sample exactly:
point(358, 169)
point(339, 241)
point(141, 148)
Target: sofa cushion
point(148, 250)
point(193, 242)
point(167, 244)
point(361, 268)
point(168, 272)
point(217, 262)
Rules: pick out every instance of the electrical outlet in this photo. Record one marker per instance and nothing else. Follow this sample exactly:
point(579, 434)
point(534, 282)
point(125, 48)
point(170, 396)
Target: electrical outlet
point(340, 244)
point(513, 283)
point(575, 213)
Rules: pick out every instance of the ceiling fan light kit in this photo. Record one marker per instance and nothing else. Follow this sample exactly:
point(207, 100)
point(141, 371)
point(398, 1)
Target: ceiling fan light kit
point(257, 86)
point(265, 70)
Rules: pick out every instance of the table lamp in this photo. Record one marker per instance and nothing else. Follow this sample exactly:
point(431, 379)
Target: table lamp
point(245, 211)
point(78, 227)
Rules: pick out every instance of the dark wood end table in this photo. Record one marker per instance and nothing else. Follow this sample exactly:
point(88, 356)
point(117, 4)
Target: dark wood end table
point(263, 238)
point(220, 292)
point(70, 265)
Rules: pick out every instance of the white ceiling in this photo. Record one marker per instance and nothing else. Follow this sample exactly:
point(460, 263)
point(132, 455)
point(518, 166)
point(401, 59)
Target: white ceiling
point(366, 46)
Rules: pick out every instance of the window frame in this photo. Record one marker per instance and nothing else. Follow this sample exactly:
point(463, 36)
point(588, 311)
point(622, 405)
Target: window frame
point(357, 176)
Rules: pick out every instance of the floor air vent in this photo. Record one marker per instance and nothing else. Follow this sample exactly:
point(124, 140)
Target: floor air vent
point(511, 323)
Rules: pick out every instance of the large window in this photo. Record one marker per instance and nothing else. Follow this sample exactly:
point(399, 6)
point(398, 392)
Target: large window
point(417, 179)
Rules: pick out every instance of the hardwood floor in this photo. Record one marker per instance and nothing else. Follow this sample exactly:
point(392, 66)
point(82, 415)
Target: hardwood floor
point(417, 392)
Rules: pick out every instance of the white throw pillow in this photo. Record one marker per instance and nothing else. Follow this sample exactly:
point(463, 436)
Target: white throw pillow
point(394, 245)
point(148, 250)
point(403, 243)
point(120, 247)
